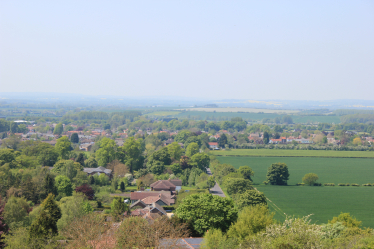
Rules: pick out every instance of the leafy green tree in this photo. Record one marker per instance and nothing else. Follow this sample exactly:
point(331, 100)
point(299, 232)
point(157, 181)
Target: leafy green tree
point(13, 127)
point(222, 141)
point(161, 155)
point(310, 179)
point(237, 185)
point(251, 220)
point(140, 184)
point(182, 136)
point(278, 174)
point(206, 211)
point(347, 220)
point(193, 139)
point(176, 168)
point(192, 149)
point(8, 156)
point(212, 126)
point(48, 187)
point(249, 198)
point(47, 155)
point(91, 163)
point(157, 168)
point(46, 223)
point(59, 128)
point(15, 212)
point(3, 225)
point(211, 182)
point(175, 151)
point(63, 185)
point(80, 159)
point(74, 138)
point(30, 190)
point(68, 168)
point(287, 119)
point(118, 208)
point(324, 140)
point(131, 153)
point(200, 160)
point(266, 137)
point(107, 151)
point(63, 147)
point(247, 172)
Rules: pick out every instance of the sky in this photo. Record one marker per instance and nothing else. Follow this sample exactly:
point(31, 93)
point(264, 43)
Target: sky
point(286, 50)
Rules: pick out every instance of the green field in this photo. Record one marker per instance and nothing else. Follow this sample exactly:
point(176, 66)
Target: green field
point(323, 202)
point(294, 153)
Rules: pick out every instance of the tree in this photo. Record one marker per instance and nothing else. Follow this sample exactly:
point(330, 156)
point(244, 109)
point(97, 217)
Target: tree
point(175, 151)
point(157, 168)
point(122, 186)
point(211, 181)
point(47, 155)
point(249, 198)
point(247, 172)
point(310, 179)
point(15, 212)
point(357, 141)
point(324, 140)
point(192, 149)
point(182, 136)
point(107, 151)
point(46, 223)
point(118, 208)
point(161, 156)
point(222, 141)
point(251, 220)
point(86, 190)
point(91, 163)
point(48, 187)
point(74, 138)
point(68, 168)
point(287, 119)
point(131, 153)
point(64, 186)
point(140, 184)
point(80, 159)
point(3, 225)
point(59, 128)
point(237, 185)
point(278, 174)
point(200, 160)
point(63, 146)
point(206, 211)
point(266, 137)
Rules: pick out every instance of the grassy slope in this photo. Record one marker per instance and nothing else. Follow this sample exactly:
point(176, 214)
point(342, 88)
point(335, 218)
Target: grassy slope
point(323, 202)
point(294, 153)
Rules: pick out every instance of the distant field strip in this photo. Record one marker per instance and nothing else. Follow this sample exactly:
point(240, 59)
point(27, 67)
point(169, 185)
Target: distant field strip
point(240, 109)
point(294, 153)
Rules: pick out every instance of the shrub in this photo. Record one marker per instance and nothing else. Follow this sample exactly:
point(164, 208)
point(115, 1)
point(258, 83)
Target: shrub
point(329, 184)
point(355, 184)
point(310, 179)
point(300, 184)
point(367, 185)
point(317, 184)
point(341, 184)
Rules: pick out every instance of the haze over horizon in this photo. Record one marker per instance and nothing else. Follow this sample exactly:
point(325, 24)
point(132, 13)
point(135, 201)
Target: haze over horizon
point(289, 50)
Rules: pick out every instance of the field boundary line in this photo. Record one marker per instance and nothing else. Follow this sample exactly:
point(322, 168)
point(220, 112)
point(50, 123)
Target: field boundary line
point(276, 208)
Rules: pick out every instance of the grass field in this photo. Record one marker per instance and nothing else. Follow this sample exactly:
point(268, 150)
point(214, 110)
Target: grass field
point(329, 170)
point(323, 202)
point(163, 113)
point(241, 109)
point(294, 153)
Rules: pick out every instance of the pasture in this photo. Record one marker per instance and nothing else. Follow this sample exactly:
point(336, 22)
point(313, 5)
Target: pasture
point(293, 153)
point(323, 202)
point(241, 109)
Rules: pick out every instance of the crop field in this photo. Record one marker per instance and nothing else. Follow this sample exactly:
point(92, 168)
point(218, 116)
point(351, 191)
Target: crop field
point(163, 113)
point(323, 202)
point(241, 109)
point(294, 153)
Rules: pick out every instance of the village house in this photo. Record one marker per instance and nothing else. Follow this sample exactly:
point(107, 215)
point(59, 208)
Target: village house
point(213, 145)
point(162, 196)
point(163, 185)
point(98, 171)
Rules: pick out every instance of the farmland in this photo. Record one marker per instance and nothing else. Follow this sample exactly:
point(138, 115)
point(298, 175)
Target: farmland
point(294, 153)
point(323, 202)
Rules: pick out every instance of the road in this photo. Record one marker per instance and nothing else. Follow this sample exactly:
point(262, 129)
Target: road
point(216, 190)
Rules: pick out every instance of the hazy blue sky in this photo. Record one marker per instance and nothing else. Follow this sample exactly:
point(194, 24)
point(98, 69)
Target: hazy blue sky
point(317, 50)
